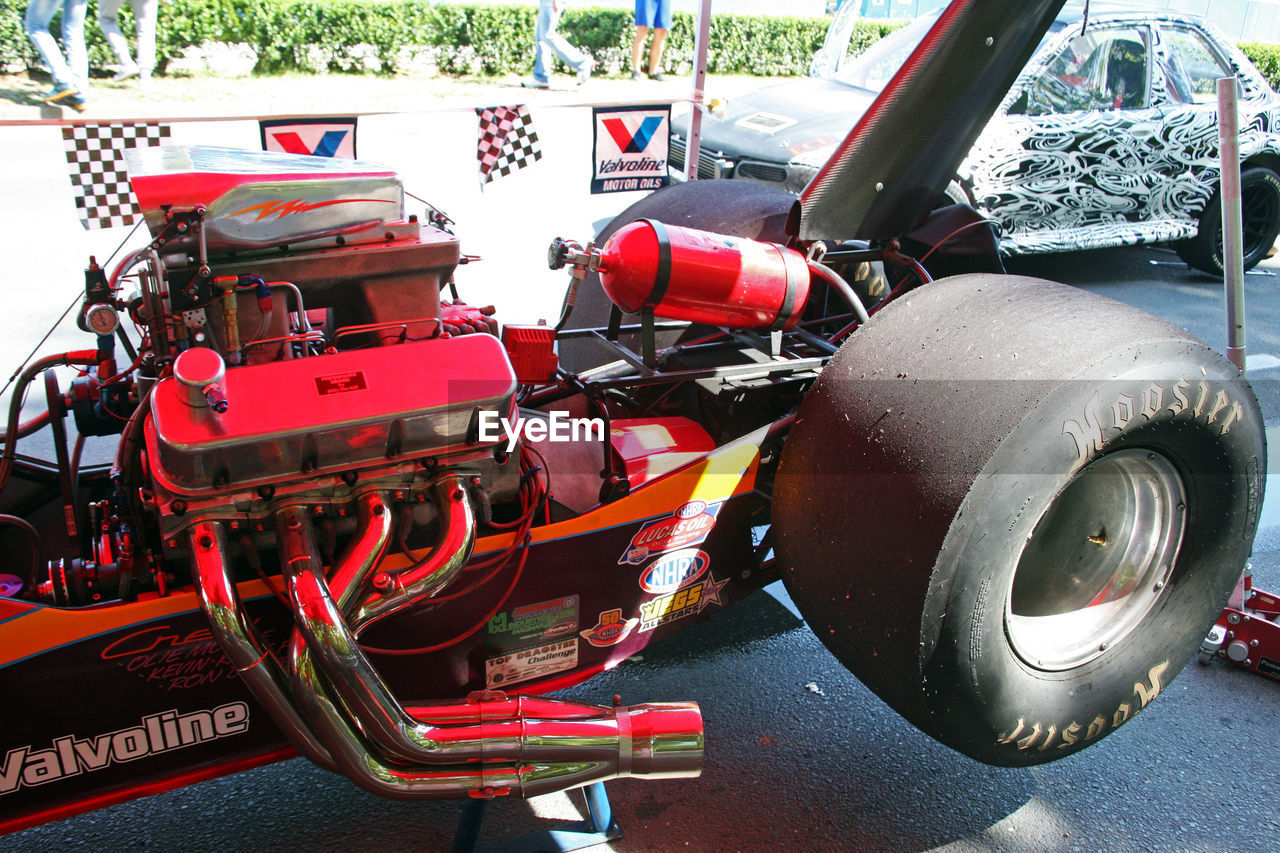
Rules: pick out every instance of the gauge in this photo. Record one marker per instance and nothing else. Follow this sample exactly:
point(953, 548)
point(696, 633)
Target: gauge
point(101, 318)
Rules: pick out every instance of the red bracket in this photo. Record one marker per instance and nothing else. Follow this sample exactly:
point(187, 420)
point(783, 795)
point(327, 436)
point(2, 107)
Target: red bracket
point(1248, 631)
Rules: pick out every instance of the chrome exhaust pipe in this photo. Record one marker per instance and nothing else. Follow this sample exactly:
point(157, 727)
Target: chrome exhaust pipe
point(337, 710)
point(372, 597)
point(253, 660)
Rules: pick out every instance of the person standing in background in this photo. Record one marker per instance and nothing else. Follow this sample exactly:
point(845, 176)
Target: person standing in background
point(547, 41)
point(655, 15)
point(70, 72)
point(144, 25)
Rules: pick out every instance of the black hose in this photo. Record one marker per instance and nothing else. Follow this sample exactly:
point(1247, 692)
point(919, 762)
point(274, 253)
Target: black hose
point(842, 287)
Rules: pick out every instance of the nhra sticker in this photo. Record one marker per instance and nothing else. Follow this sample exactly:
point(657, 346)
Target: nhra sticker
point(533, 623)
point(688, 525)
point(528, 664)
point(610, 629)
point(689, 601)
point(675, 570)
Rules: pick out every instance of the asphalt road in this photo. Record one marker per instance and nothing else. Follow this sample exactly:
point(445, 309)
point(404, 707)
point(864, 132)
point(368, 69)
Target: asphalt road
point(800, 756)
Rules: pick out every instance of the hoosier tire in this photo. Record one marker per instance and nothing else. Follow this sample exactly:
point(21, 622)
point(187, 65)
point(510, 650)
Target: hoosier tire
point(1065, 491)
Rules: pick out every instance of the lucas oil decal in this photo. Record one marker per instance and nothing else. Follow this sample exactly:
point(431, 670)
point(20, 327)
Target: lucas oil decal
point(610, 629)
point(688, 525)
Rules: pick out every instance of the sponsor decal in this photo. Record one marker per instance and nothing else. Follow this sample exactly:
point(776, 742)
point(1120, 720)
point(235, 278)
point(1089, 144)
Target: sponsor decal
point(688, 601)
point(1267, 666)
point(528, 664)
point(326, 137)
point(687, 526)
point(158, 733)
point(630, 148)
point(610, 629)
point(533, 624)
point(675, 570)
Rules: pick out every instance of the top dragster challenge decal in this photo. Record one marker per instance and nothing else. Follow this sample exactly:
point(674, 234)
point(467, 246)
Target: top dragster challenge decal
point(687, 526)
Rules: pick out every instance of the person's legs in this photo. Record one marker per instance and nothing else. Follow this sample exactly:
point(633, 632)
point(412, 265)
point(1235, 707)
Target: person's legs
point(637, 47)
point(655, 51)
point(541, 71)
point(145, 13)
point(36, 23)
point(109, 23)
point(73, 13)
point(570, 55)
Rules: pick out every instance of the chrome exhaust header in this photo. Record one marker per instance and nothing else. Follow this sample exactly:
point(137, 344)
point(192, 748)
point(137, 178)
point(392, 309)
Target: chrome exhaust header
point(336, 709)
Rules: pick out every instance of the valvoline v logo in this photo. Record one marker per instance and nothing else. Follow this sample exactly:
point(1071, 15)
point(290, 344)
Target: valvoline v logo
point(688, 525)
point(630, 142)
point(674, 571)
point(326, 137)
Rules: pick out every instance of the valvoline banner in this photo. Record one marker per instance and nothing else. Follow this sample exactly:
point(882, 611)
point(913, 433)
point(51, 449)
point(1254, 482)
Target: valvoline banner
point(319, 137)
point(629, 150)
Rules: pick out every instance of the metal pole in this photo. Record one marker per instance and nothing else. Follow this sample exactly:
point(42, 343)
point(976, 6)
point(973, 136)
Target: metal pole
point(694, 143)
point(1232, 219)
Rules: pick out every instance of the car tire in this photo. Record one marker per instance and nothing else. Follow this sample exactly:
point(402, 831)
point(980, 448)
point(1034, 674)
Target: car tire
point(1065, 490)
point(1260, 209)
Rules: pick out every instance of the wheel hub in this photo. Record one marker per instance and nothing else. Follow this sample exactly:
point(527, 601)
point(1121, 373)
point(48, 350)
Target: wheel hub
point(1098, 560)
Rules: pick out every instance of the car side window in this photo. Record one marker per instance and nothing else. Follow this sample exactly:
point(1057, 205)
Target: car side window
point(1191, 68)
point(1099, 70)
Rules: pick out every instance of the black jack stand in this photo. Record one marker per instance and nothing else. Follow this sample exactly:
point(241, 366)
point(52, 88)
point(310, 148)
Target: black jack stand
point(598, 828)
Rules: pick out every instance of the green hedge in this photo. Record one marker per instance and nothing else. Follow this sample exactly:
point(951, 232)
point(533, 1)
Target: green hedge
point(390, 36)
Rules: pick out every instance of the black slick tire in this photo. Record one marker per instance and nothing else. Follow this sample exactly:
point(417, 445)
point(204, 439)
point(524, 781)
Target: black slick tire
point(1065, 492)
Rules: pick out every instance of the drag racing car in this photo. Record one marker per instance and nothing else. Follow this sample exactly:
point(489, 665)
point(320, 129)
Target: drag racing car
point(352, 517)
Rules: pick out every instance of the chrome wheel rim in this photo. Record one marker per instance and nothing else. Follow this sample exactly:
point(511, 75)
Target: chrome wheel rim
point(1098, 560)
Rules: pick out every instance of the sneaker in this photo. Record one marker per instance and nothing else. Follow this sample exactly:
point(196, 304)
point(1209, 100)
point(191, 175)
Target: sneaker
point(584, 71)
point(76, 102)
point(127, 72)
point(657, 75)
point(636, 75)
point(536, 84)
point(61, 92)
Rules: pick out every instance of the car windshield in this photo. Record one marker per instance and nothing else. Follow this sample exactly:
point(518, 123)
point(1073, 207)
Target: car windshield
point(874, 67)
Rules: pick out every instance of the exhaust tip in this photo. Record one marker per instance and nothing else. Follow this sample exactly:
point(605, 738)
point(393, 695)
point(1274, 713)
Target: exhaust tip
point(666, 740)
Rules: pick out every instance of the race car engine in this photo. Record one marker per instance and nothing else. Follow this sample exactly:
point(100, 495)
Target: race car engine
point(303, 397)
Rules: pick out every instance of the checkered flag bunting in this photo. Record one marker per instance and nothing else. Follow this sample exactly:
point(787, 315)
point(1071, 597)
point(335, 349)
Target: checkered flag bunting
point(95, 155)
point(508, 141)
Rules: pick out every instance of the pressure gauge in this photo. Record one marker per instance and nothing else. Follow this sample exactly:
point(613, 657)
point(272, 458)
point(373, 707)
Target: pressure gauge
point(101, 318)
